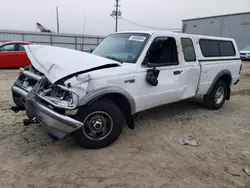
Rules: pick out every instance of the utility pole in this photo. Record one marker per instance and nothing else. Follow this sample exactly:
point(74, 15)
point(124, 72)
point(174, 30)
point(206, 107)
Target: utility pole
point(57, 19)
point(116, 13)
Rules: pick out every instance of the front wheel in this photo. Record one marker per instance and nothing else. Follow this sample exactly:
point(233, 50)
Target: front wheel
point(102, 124)
point(217, 96)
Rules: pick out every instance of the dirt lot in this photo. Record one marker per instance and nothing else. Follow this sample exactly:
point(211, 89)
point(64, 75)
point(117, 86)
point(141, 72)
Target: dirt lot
point(148, 156)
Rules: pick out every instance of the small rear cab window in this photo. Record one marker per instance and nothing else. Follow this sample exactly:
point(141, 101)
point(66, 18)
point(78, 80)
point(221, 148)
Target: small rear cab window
point(217, 48)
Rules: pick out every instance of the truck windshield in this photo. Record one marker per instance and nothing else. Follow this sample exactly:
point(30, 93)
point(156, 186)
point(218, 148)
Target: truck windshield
point(122, 47)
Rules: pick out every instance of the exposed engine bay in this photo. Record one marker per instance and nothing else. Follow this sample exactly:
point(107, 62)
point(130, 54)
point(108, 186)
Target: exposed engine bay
point(57, 95)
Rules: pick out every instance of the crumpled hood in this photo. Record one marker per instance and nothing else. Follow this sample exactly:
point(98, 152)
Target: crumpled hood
point(56, 63)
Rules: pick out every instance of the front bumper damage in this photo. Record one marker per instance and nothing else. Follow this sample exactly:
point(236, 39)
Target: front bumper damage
point(54, 120)
point(57, 124)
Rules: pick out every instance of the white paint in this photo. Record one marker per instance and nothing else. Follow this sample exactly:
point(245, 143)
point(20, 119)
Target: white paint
point(246, 54)
point(245, 51)
point(171, 88)
point(56, 63)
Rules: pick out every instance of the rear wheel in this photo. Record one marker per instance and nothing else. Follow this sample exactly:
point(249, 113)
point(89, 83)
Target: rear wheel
point(102, 124)
point(216, 98)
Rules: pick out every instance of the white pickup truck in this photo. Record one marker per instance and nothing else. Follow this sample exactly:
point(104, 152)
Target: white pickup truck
point(91, 96)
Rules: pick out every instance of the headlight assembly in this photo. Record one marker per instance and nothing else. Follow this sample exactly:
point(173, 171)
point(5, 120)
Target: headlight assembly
point(60, 97)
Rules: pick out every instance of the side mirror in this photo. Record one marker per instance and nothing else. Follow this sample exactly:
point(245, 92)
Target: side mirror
point(91, 50)
point(152, 75)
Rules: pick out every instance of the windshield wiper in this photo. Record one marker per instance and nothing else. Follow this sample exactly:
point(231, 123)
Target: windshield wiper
point(114, 58)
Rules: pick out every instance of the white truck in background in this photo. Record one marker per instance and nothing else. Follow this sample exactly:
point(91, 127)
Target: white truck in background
point(91, 96)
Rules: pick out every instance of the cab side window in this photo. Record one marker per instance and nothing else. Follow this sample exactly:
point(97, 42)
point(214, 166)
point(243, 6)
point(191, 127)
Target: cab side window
point(217, 48)
point(163, 52)
point(7, 48)
point(188, 49)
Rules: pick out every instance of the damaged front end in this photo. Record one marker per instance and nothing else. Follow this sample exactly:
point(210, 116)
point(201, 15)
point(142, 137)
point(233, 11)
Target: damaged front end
point(28, 77)
point(46, 102)
point(50, 89)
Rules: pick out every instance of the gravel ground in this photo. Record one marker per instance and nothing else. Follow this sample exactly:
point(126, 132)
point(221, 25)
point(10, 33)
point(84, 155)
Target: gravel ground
point(148, 156)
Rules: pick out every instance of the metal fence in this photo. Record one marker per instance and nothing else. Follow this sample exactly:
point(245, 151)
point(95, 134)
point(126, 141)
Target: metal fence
point(72, 41)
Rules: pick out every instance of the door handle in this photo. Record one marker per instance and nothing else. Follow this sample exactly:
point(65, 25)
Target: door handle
point(177, 72)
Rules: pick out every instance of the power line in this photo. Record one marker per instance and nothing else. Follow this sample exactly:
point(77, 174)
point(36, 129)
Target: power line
point(146, 26)
point(118, 15)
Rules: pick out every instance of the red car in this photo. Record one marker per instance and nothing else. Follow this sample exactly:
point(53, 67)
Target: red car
point(13, 55)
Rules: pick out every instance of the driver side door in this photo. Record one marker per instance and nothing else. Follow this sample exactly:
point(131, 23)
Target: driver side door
point(162, 56)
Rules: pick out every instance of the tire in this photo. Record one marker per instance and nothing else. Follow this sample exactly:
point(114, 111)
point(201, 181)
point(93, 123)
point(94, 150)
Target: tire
point(215, 101)
point(103, 122)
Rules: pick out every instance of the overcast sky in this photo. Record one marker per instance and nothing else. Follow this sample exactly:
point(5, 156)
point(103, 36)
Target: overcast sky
point(23, 14)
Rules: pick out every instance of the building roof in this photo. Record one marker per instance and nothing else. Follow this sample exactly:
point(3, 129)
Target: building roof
point(223, 15)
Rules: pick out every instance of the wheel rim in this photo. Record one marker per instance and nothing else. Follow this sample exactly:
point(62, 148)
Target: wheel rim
point(219, 95)
point(97, 125)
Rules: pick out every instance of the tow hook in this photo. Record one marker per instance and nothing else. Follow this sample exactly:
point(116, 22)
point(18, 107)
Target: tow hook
point(16, 108)
point(27, 122)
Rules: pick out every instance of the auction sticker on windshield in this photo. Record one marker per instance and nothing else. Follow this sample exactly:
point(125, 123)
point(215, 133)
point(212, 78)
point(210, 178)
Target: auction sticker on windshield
point(137, 38)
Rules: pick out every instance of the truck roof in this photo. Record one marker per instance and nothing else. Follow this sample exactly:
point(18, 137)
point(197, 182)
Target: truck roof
point(172, 33)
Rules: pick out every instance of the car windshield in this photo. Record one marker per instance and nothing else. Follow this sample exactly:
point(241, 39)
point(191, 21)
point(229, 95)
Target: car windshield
point(247, 48)
point(122, 47)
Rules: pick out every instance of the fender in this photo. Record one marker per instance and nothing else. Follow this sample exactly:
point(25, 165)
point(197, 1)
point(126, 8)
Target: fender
point(98, 93)
point(217, 77)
